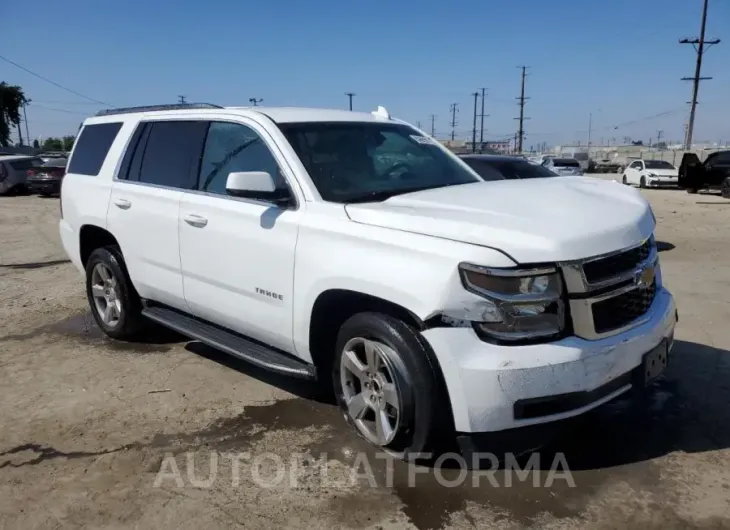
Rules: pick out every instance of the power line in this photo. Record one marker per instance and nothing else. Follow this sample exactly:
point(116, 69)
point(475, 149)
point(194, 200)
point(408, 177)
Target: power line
point(350, 95)
point(36, 106)
point(522, 99)
point(454, 110)
point(699, 46)
point(79, 94)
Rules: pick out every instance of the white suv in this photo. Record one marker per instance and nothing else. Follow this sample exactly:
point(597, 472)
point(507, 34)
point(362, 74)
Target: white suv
point(354, 249)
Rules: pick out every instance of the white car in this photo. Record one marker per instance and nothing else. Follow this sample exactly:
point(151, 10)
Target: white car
point(651, 174)
point(353, 249)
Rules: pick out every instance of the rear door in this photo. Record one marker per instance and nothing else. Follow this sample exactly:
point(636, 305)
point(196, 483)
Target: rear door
point(690, 172)
point(160, 164)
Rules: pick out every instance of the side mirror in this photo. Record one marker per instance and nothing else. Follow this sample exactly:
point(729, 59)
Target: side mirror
point(258, 185)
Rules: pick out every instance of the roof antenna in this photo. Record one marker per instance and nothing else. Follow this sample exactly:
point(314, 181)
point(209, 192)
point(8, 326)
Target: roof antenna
point(382, 112)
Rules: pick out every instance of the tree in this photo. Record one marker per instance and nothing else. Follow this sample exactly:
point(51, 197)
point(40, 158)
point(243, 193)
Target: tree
point(68, 142)
point(36, 145)
point(52, 144)
point(12, 100)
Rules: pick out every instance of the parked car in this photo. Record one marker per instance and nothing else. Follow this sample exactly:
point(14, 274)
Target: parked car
point(432, 302)
point(14, 172)
point(46, 178)
point(563, 166)
point(52, 155)
point(650, 174)
point(496, 167)
point(713, 173)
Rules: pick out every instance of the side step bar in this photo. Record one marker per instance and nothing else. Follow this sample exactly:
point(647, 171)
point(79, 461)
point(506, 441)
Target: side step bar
point(233, 344)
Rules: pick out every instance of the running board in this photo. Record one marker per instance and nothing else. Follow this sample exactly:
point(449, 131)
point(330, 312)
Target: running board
point(253, 352)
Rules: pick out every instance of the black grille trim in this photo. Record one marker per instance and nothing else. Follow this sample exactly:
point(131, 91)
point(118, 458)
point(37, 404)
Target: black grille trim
point(611, 266)
point(619, 311)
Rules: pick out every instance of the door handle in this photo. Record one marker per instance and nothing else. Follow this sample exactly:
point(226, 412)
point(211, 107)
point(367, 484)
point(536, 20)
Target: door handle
point(124, 204)
point(195, 220)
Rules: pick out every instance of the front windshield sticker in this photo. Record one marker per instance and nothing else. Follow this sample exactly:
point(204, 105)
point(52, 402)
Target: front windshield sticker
point(421, 139)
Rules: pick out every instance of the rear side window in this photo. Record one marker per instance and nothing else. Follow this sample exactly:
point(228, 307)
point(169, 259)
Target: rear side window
point(92, 147)
point(168, 153)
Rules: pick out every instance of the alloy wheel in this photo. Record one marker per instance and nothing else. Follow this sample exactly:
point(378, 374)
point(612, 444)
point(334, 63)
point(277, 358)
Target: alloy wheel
point(105, 291)
point(370, 389)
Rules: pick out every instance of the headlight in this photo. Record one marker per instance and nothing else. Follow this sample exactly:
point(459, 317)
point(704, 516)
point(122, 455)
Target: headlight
point(651, 175)
point(518, 303)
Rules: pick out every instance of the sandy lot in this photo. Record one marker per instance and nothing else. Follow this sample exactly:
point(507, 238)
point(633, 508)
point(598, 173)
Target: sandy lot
point(102, 434)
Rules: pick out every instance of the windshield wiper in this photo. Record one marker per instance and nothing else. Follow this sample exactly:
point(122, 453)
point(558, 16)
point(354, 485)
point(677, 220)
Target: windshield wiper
point(383, 195)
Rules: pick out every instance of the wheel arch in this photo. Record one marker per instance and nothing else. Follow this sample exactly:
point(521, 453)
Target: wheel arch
point(92, 237)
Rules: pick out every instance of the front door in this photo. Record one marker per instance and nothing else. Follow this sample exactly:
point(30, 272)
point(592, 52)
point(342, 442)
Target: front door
point(237, 254)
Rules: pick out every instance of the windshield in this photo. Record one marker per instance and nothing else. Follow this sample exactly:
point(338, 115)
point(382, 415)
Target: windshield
point(565, 162)
point(500, 169)
point(658, 164)
point(362, 161)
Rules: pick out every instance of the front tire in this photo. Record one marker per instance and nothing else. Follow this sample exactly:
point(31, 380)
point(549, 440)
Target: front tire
point(642, 183)
point(386, 386)
point(112, 298)
point(625, 180)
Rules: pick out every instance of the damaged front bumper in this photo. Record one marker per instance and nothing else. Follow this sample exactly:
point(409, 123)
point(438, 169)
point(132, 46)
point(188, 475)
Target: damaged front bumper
point(489, 385)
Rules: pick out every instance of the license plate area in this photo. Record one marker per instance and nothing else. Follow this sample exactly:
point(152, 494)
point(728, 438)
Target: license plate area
point(655, 362)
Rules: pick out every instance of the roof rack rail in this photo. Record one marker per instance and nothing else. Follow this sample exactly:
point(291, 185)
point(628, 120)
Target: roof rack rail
point(150, 108)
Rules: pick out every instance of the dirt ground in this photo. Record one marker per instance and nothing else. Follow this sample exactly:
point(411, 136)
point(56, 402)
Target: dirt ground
point(103, 434)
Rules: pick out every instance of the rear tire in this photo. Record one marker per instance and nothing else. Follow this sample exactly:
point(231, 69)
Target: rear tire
point(114, 302)
point(380, 362)
point(725, 188)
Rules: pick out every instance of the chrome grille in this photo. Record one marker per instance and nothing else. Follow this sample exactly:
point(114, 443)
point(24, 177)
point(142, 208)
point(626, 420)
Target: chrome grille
point(611, 293)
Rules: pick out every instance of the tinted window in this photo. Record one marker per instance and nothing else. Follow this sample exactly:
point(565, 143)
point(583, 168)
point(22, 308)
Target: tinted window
point(565, 162)
point(25, 164)
point(721, 158)
point(484, 169)
point(361, 162)
point(517, 169)
point(232, 147)
point(171, 153)
point(92, 147)
point(658, 164)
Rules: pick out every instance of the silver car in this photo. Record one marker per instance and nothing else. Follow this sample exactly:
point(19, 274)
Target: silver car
point(14, 171)
point(568, 167)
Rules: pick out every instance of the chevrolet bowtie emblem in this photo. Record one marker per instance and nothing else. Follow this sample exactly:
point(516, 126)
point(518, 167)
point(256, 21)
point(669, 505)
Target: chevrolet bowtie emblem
point(644, 277)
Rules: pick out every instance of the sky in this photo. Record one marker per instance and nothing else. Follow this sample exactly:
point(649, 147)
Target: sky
point(614, 64)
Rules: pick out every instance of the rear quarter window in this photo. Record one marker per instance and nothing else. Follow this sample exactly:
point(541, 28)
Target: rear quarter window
point(91, 148)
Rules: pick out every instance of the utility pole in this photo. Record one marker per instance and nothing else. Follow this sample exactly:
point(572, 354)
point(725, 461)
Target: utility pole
point(255, 101)
point(659, 135)
point(522, 99)
point(590, 127)
point(481, 130)
point(181, 100)
point(433, 125)
point(699, 46)
point(454, 110)
point(474, 129)
point(25, 119)
point(350, 96)
point(418, 124)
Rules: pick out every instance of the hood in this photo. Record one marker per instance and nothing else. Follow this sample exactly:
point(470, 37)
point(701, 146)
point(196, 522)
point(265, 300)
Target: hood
point(533, 220)
point(664, 172)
